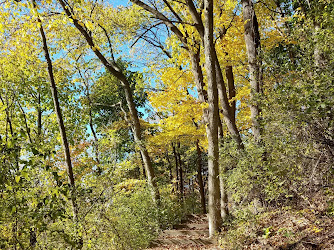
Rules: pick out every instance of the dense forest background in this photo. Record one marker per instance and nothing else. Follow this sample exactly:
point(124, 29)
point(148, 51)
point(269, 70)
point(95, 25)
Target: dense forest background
point(119, 118)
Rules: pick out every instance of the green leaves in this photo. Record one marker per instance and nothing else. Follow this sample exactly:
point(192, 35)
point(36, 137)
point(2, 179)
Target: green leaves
point(17, 178)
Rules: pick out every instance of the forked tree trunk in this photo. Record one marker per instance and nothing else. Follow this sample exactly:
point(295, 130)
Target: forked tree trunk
point(226, 108)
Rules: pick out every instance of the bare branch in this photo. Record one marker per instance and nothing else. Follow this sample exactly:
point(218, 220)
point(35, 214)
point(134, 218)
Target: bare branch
point(147, 30)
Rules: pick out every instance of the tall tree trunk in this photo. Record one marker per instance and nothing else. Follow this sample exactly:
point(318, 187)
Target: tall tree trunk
point(223, 194)
point(212, 127)
point(180, 171)
point(113, 68)
point(231, 90)
point(176, 167)
point(61, 125)
point(54, 91)
point(200, 178)
point(150, 175)
point(253, 47)
point(198, 77)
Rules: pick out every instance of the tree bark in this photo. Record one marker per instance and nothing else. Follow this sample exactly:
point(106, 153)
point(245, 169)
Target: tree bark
point(224, 211)
point(212, 127)
point(226, 108)
point(180, 172)
point(253, 47)
point(200, 178)
point(222, 171)
point(176, 167)
point(231, 90)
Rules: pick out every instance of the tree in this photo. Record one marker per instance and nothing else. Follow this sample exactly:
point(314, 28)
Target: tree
point(253, 45)
point(115, 70)
point(62, 129)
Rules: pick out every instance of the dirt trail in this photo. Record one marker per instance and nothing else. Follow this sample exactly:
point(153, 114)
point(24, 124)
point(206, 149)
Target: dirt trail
point(191, 233)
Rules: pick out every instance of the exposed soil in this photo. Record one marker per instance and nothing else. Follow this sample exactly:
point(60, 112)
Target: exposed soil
point(192, 233)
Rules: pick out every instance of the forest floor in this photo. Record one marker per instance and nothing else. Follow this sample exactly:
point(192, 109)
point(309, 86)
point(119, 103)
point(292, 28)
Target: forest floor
point(282, 229)
point(285, 228)
point(191, 234)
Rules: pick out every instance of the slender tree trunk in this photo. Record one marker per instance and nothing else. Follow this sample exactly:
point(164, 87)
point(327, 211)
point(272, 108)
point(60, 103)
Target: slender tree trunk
point(39, 117)
point(91, 125)
point(8, 119)
point(212, 127)
point(223, 194)
point(231, 90)
point(96, 140)
point(112, 67)
point(180, 172)
point(25, 122)
point(253, 47)
point(62, 130)
point(200, 178)
point(176, 167)
point(57, 108)
point(170, 168)
point(220, 129)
